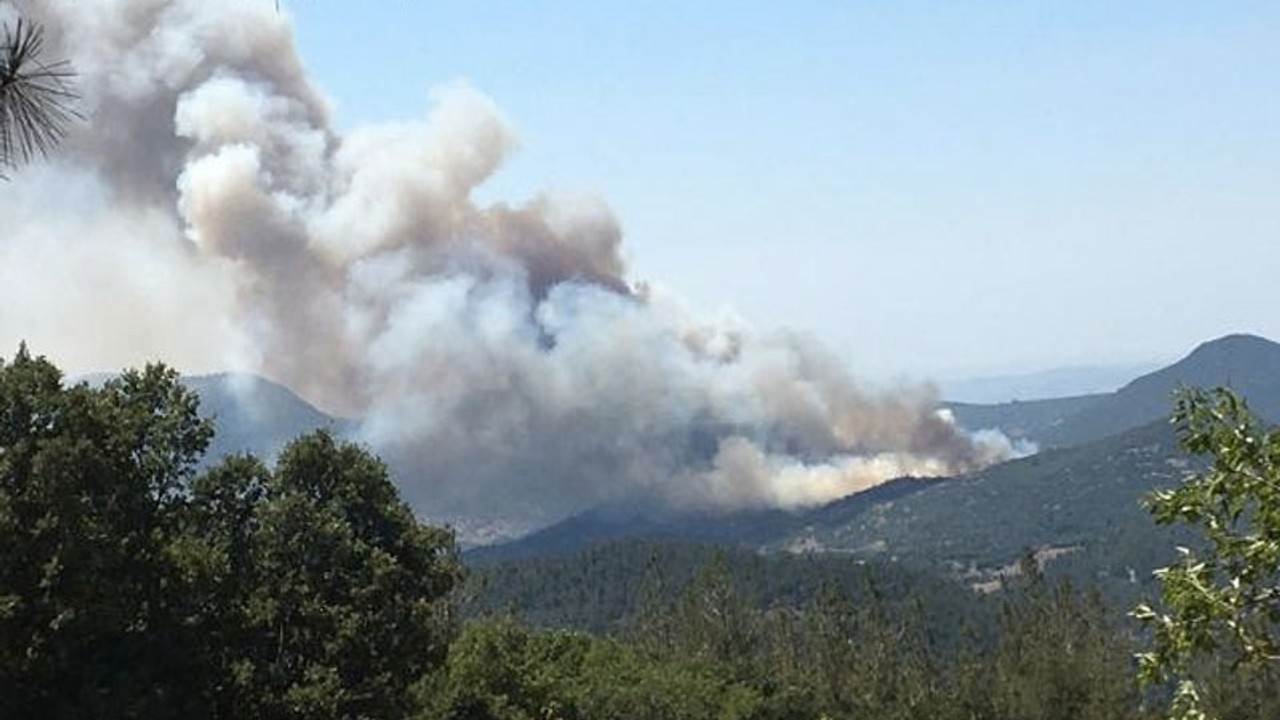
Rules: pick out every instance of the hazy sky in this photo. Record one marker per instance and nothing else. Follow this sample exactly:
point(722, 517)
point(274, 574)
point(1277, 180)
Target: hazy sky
point(930, 187)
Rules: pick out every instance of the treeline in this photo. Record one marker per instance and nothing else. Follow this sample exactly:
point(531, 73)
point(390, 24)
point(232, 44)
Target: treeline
point(713, 653)
point(601, 588)
point(724, 633)
point(135, 585)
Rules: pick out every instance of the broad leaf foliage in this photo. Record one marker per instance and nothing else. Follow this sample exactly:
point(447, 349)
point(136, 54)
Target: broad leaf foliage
point(132, 587)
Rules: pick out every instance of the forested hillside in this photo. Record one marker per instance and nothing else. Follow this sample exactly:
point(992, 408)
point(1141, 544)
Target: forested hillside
point(603, 586)
point(1073, 498)
point(1079, 507)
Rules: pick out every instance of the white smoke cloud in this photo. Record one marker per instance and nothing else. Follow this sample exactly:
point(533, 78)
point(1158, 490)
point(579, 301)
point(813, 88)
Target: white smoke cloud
point(208, 214)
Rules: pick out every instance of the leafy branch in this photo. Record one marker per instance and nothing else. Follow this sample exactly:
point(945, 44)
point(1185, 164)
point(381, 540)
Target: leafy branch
point(1223, 599)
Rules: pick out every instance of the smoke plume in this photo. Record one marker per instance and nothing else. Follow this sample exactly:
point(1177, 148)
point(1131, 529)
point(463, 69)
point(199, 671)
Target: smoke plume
point(208, 213)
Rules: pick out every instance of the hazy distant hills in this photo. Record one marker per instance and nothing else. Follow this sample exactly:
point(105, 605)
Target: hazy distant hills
point(250, 413)
point(1246, 363)
point(1052, 383)
point(255, 415)
point(259, 415)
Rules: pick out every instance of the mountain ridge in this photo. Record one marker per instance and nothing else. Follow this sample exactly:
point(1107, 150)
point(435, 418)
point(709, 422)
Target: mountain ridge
point(1249, 364)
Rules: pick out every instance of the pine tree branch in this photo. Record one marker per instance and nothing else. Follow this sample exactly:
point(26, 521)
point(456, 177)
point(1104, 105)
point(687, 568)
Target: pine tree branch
point(36, 98)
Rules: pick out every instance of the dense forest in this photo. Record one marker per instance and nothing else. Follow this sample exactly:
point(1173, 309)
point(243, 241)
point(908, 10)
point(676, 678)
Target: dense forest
point(137, 582)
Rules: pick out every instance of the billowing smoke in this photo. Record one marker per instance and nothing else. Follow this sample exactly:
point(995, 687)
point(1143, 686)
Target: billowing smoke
point(209, 214)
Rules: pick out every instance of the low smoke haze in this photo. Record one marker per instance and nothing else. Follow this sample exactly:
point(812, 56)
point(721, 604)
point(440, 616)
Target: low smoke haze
point(209, 214)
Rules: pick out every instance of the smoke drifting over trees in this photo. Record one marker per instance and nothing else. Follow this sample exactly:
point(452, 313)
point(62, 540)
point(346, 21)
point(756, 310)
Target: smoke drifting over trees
point(208, 213)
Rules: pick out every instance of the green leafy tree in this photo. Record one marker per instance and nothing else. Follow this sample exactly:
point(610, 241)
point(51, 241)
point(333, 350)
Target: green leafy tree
point(1221, 602)
point(132, 587)
point(500, 669)
point(89, 598)
point(348, 600)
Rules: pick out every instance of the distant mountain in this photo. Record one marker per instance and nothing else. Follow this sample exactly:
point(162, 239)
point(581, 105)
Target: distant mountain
point(252, 414)
point(1246, 363)
point(1076, 508)
point(1082, 498)
point(1052, 383)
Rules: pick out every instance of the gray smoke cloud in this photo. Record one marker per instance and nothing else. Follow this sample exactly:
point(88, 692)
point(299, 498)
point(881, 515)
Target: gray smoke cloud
point(208, 213)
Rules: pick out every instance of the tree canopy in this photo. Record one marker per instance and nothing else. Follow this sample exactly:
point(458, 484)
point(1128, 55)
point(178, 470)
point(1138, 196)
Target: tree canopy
point(133, 586)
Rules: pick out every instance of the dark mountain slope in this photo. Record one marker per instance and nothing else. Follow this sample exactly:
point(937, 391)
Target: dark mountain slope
point(1022, 419)
point(655, 520)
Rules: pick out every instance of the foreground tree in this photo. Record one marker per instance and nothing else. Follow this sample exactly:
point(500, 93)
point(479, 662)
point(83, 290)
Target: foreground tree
point(348, 604)
point(1221, 603)
point(90, 481)
point(130, 586)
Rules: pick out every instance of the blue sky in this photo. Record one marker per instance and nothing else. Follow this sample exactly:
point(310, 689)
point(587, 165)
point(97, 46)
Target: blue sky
point(931, 188)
